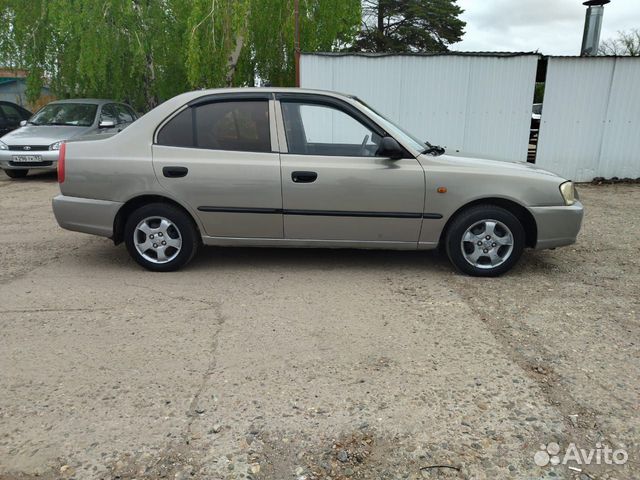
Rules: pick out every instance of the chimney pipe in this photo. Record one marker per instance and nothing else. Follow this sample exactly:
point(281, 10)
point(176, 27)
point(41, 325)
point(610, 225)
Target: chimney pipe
point(592, 27)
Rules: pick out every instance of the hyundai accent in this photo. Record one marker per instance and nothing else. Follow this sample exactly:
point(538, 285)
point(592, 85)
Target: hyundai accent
point(302, 168)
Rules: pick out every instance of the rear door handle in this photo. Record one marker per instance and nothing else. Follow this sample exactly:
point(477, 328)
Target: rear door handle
point(175, 172)
point(304, 177)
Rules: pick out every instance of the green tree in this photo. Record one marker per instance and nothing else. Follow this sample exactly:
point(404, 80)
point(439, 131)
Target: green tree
point(325, 25)
point(145, 51)
point(409, 26)
point(92, 48)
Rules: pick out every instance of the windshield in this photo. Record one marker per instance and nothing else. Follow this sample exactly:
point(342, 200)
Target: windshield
point(537, 108)
point(394, 129)
point(72, 114)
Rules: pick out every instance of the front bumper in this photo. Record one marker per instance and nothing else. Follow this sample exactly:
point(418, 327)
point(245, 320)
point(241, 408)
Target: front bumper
point(86, 215)
point(49, 159)
point(557, 226)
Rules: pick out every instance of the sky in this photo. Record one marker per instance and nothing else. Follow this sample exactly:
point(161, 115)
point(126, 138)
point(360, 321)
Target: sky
point(553, 27)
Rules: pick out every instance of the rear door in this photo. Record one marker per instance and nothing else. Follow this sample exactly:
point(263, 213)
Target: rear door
point(335, 188)
point(219, 156)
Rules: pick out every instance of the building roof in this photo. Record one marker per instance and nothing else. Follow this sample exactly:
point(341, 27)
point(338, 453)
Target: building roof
point(455, 53)
point(12, 73)
point(433, 54)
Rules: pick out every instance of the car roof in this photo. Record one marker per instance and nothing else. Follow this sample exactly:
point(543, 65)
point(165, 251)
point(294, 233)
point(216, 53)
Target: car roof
point(95, 101)
point(214, 91)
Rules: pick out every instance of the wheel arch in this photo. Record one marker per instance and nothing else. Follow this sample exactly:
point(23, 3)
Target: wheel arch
point(136, 202)
point(521, 213)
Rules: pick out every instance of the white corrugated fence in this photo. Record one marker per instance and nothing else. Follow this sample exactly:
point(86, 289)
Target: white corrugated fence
point(480, 104)
point(591, 118)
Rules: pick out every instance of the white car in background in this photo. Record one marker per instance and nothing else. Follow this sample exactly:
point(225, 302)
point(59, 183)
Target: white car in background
point(36, 143)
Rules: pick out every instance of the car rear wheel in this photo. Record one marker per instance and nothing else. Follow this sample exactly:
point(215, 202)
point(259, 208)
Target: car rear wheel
point(485, 241)
point(161, 237)
point(17, 173)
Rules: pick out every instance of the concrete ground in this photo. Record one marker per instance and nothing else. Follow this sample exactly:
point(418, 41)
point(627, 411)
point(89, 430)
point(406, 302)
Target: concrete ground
point(311, 364)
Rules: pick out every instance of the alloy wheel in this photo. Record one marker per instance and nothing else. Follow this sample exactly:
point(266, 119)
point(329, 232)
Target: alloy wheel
point(157, 240)
point(487, 244)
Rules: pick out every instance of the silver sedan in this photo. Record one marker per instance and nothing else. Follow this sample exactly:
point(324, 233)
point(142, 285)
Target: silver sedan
point(35, 144)
point(303, 168)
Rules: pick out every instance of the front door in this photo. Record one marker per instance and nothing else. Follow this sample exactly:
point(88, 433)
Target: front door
point(334, 187)
point(220, 158)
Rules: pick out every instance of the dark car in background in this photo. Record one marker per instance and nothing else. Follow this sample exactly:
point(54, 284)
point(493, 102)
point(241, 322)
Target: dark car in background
point(11, 115)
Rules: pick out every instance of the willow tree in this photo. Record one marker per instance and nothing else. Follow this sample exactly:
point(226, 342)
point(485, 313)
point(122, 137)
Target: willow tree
point(94, 48)
point(25, 24)
point(325, 25)
point(144, 51)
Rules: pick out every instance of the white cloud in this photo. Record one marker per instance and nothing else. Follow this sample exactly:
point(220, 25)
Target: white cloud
point(553, 27)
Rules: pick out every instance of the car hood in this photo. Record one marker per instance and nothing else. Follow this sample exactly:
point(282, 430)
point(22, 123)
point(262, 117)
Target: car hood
point(498, 166)
point(43, 135)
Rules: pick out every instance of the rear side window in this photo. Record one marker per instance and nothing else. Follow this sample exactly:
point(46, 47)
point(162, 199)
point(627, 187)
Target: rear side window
point(238, 126)
point(179, 131)
point(124, 114)
point(242, 126)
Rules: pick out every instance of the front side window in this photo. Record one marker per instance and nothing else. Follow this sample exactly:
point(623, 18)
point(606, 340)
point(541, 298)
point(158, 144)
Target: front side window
point(109, 114)
point(318, 129)
point(237, 125)
point(395, 130)
point(70, 114)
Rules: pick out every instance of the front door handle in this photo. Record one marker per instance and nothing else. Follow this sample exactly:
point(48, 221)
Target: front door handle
point(175, 172)
point(304, 177)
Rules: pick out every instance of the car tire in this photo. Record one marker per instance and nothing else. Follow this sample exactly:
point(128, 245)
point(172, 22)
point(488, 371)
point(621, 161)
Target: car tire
point(17, 173)
point(161, 237)
point(484, 241)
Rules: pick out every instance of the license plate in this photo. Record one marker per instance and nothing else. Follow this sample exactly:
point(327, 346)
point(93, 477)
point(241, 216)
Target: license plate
point(27, 158)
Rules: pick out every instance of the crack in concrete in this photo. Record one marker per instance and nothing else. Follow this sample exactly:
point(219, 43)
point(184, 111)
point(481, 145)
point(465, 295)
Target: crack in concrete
point(548, 381)
point(192, 411)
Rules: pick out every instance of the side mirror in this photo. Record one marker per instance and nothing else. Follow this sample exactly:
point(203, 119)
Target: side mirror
point(23, 123)
point(107, 124)
point(389, 147)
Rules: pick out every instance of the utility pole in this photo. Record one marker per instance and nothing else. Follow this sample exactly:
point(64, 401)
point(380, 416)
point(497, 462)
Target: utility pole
point(296, 9)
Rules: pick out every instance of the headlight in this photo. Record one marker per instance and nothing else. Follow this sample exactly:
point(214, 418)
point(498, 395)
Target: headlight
point(55, 146)
point(3, 146)
point(568, 191)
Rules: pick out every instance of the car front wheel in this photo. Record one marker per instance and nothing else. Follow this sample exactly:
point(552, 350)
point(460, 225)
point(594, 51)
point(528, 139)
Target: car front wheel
point(485, 241)
point(161, 237)
point(17, 173)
